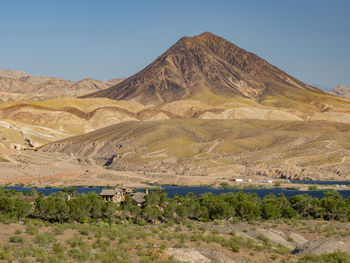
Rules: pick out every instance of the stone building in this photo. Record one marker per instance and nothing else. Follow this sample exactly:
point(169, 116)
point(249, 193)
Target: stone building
point(118, 195)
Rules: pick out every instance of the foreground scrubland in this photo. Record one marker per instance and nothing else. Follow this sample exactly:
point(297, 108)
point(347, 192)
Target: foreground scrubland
point(219, 241)
point(234, 227)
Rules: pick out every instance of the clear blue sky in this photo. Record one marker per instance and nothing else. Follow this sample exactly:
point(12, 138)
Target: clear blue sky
point(74, 39)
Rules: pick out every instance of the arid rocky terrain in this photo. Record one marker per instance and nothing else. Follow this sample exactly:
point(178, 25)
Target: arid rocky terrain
point(204, 109)
point(19, 85)
point(341, 91)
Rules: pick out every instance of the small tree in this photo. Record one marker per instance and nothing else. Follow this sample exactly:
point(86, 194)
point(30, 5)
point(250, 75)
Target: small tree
point(109, 212)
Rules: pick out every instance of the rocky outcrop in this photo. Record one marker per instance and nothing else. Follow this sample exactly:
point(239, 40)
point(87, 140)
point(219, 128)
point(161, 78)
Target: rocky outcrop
point(341, 91)
point(324, 246)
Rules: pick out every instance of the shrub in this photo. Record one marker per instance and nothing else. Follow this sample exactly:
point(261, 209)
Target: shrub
point(44, 239)
point(336, 257)
point(75, 241)
point(264, 239)
point(277, 184)
point(16, 239)
point(84, 231)
point(234, 244)
point(59, 250)
point(313, 187)
point(81, 254)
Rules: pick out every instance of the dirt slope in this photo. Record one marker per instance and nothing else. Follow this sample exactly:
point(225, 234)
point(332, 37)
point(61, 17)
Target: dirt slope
point(293, 149)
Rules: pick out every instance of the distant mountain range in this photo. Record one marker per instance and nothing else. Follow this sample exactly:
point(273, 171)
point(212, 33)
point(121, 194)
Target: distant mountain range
point(19, 85)
point(341, 91)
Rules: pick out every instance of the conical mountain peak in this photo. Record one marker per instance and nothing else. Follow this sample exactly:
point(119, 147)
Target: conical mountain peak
point(205, 62)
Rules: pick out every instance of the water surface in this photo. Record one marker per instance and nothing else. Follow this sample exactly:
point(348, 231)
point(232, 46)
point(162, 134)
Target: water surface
point(183, 190)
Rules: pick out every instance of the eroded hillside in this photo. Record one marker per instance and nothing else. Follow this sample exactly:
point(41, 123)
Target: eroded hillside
point(282, 149)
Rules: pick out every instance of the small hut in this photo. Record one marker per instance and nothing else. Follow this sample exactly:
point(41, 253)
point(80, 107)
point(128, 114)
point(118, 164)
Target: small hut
point(115, 195)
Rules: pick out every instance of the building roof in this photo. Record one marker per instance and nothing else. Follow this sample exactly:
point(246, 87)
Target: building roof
point(109, 191)
point(138, 197)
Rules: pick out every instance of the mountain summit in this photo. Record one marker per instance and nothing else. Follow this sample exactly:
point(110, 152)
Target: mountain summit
point(205, 63)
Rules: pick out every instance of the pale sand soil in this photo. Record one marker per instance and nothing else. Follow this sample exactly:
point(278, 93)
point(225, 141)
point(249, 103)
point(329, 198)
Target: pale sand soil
point(40, 169)
point(58, 169)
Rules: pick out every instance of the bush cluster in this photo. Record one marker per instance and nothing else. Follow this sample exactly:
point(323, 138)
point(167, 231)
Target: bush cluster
point(158, 207)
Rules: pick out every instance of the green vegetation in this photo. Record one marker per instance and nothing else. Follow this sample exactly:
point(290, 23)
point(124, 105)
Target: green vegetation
point(126, 242)
point(16, 239)
point(226, 186)
point(313, 187)
point(84, 228)
point(336, 257)
point(159, 208)
point(277, 184)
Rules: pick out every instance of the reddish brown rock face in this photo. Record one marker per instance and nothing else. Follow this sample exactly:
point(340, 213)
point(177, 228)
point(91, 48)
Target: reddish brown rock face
point(204, 62)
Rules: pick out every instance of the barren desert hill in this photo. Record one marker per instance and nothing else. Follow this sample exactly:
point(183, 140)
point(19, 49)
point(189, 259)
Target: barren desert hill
point(40, 122)
point(14, 84)
point(12, 74)
point(207, 66)
point(341, 91)
point(309, 149)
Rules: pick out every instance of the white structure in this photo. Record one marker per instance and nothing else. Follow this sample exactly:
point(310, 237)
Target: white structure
point(266, 181)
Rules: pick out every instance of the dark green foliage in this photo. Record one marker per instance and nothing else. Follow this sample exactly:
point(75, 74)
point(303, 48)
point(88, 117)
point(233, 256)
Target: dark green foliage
point(16, 239)
point(156, 197)
point(335, 207)
point(215, 207)
point(247, 206)
point(270, 208)
point(62, 207)
point(273, 207)
point(151, 213)
point(52, 209)
point(56, 208)
point(307, 206)
point(14, 207)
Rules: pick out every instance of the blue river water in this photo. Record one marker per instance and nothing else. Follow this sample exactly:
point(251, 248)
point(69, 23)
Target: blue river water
point(183, 190)
point(320, 182)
